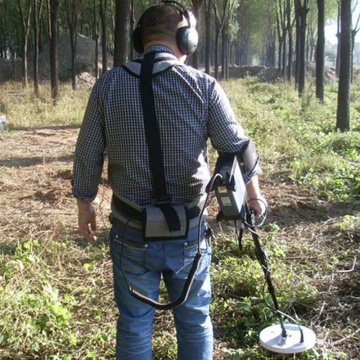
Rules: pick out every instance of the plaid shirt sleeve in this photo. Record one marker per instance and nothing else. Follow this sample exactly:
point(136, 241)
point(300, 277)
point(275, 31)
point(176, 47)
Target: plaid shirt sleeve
point(89, 152)
point(225, 133)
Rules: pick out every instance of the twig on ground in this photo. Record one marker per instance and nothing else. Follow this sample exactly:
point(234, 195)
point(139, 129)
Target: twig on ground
point(351, 270)
point(340, 341)
point(343, 271)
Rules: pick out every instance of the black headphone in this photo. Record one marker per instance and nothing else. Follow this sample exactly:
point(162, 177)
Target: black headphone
point(187, 37)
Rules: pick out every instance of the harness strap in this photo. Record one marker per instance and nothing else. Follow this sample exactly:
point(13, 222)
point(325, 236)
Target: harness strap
point(152, 134)
point(162, 62)
point(171, 217)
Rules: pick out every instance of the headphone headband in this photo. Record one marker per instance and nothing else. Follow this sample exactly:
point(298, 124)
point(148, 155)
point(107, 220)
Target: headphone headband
point(170, 2)
point(188, 14)
point(187, 36)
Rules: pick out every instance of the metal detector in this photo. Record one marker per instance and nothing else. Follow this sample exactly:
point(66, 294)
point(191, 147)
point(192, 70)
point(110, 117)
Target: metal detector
point(230, 192)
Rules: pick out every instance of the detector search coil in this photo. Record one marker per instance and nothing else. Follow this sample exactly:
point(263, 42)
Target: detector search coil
point(271, 339)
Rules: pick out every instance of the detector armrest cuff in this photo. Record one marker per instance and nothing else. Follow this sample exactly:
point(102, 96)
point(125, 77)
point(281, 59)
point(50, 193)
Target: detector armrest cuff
point(248, 159)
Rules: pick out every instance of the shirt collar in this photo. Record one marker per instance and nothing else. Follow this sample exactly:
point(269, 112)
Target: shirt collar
point(159, 48)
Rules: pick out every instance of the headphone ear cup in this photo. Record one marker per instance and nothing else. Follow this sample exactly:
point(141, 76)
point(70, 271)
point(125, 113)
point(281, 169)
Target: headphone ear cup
point(187, 39)
point(136, 40)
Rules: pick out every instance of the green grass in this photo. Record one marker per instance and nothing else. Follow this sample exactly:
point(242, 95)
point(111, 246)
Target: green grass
point(24, 110)
point(51, 312)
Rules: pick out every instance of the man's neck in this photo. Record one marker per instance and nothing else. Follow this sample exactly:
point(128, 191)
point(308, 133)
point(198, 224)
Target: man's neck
point(171, 46)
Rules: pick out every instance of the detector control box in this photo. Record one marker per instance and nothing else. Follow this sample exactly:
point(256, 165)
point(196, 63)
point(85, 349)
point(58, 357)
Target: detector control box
point(230, 189)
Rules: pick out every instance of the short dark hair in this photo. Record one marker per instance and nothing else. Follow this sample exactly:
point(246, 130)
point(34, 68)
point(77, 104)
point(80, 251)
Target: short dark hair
point(160, 22)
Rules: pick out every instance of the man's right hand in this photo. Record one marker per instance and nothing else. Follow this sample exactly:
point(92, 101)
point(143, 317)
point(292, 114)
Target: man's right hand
point(87, 220)
point(254, 198)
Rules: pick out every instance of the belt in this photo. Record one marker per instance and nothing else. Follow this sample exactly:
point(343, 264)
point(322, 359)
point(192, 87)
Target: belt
point(134, 214)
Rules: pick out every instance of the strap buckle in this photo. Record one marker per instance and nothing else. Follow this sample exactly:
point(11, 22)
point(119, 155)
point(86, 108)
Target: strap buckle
point(162, 199)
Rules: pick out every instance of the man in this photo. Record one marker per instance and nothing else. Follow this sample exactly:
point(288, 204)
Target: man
point(189, 108)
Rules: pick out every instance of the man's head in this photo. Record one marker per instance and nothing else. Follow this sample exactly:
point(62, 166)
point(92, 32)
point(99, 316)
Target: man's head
point(167, 24)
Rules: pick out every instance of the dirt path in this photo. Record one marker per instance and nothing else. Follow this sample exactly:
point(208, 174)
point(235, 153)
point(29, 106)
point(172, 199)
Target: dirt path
point(35, 182)
point(35, 198)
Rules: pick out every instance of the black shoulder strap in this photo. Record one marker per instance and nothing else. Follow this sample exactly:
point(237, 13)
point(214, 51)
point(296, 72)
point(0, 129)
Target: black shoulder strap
point(152, 134)
point(152, 131)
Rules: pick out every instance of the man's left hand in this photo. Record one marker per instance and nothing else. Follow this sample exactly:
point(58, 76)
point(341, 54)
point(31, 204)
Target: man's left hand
point(87, 220)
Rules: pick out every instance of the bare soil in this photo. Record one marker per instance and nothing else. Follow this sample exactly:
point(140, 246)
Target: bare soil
point(35, 199)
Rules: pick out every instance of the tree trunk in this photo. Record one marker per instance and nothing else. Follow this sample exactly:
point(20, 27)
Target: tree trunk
point(284, 32)
point(320, 51)
point(223, 50)
point(303, 16)
point(284, 53)
point(96, 38)
point(280, 53)
point(97, 56)
point(354, 31)
point(103, 16)
point(216, 54)
point(269, 56)
point(312, 48)
point(112, 17)
point(353, 35)
point(307, 46)
point(290, 57)
point(42, 31)
point(289, 28)
point(195, 9)
point(122, 31)
point(302, 55)
point(337, 67)
point(9, 40)
point(132, 26)
point(25, 63)
point(72, 9)
point(226, 54)
point(2, 38)
point(343, 110)
point(37, 12)
point(207, 35)
point(280, 41)
point(297, 43)
point(73, 40)
point(54, 65)
point(272, 52)
point(231, 55)
point(25, 22)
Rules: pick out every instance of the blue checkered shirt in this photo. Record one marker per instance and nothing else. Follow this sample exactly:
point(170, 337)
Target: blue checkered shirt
point(191, 108)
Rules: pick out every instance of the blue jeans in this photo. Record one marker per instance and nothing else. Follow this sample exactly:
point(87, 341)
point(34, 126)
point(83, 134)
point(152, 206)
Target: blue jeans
point(143, 264)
